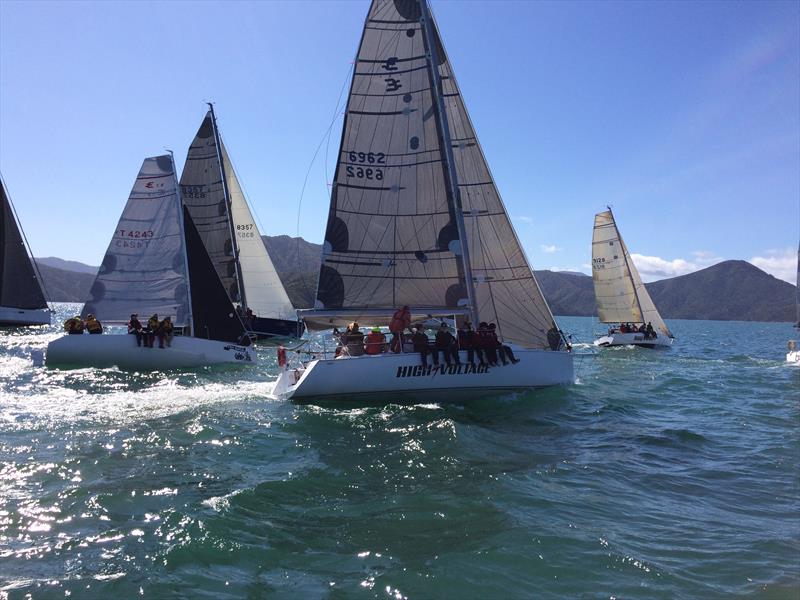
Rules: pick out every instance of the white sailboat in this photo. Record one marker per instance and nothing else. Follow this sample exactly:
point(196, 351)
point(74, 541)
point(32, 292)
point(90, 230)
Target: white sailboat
point(214, 197)
point(622, 298)
point(22, 300)
point(156, 264)
point(793, 356)
point(416, 219)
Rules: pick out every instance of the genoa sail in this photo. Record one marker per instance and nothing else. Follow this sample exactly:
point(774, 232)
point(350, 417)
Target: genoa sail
point(620, 294)
point(242, 263)
point(19, 284)
point(144, 269)
point(264, 290)
point(412, 195)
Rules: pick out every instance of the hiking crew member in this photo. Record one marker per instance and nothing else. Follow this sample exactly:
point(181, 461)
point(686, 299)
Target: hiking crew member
point(468, 340)
point(354, 340)
point(93, 326)
point(73, 326)
point(649, 331)
point(504, 351)
point(165, 332)
point(446, 344)
point(487, 342)
point(421, 345)
point(135, 328)
point(375, 342)
point(401, 320)
point(151, 331)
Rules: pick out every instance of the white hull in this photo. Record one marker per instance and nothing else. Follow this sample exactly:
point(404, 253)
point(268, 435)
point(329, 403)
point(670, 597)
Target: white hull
point(793, 357)
point(24, 316)
point(633, 339)
point(109, 350)
point(390, 376)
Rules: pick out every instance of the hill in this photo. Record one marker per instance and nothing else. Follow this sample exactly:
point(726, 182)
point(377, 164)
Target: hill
point(728, 291)
point(63, 285)
point(66, 265)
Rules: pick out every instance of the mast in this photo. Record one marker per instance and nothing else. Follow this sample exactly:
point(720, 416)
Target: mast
point(444, 129)
point(234, 244)
point(625, 258)
point(190, 317)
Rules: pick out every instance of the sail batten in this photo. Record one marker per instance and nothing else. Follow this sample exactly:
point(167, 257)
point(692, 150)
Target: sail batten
point(619, 291)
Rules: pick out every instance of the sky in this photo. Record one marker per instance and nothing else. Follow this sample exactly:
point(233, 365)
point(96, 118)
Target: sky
point(683, 116)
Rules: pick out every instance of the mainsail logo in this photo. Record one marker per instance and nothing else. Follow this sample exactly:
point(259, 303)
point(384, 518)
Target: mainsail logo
point(461, 369)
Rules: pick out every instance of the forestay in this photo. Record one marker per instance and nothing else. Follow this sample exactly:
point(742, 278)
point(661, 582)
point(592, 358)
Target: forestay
point(19, 286)
point(621, 296)
point(144, 269)
point(392, 236)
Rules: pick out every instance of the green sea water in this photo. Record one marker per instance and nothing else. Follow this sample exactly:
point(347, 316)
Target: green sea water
point(660, 474)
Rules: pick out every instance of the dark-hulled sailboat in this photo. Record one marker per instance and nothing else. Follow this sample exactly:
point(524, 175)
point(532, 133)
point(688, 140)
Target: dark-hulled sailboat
point(214, 197)
point(416, 219)
point(156, 264)
point(22, 301)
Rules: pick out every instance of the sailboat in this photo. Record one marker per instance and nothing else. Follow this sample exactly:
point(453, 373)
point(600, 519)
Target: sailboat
point(22, 300)
point(622, 299)
point(214, 197)
point(416, 219)
point(793, 356)
point(156, 264)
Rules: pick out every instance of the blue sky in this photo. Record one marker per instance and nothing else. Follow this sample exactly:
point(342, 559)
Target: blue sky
point(684, 116)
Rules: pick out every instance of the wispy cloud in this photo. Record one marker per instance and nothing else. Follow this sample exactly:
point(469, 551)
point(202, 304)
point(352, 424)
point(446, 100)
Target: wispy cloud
point(523, 219)
point(782, 263)
point(652, 268)
point(550, 248)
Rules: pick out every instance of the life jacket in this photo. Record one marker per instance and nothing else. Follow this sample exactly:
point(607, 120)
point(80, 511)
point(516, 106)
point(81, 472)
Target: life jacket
point(400, 320)
point(69, 324)
point(374, 342)
point(166, 326)
point(152, 324)
point(134, 325)
point(93, 325)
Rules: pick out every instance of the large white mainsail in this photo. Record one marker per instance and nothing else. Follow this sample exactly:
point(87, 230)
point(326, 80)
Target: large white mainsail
point(413, 197)
point(620, 294)
point(225, 223)
point(144, 269)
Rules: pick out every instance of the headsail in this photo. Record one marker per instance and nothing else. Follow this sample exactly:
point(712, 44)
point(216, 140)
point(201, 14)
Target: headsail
point(506, 290)
point(264, 289)
point(252, 282)
point(394, 228)
point(19, 285)
point(621, 296)
point(144, 269)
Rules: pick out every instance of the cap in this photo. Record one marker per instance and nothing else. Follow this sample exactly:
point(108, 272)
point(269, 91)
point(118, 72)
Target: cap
point(376, 330)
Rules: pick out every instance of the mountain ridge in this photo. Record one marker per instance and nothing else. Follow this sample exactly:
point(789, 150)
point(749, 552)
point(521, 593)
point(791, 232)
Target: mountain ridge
point(732, 290)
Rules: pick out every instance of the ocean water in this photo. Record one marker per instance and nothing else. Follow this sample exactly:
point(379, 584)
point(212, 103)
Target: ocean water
point(660, 474)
